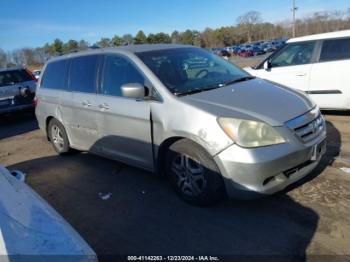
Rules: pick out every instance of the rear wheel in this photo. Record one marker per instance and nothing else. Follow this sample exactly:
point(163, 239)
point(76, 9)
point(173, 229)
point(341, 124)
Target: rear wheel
point(194, 174)
point(58, 137)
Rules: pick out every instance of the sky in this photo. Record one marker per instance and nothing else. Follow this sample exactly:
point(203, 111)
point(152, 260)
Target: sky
point(33, 23)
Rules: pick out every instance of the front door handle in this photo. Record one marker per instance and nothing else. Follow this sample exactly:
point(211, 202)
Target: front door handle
point(301, 74)
point(86, 103)
point(104, 106)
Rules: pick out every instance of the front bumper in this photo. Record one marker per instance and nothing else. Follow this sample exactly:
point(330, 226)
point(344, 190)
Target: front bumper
point(254, 172)
point(16, 103)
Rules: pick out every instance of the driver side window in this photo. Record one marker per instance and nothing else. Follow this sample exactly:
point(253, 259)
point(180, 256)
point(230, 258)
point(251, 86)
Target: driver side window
point(294, 54)
point(116, 72)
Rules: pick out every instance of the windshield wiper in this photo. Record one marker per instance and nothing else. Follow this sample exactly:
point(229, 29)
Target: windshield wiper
point(241, 79)
point(194, 91)
point(199, 90)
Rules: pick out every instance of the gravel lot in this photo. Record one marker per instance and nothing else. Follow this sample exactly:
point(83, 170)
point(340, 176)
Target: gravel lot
point(144, 216)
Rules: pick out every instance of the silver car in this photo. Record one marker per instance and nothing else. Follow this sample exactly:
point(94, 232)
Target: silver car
point(213, 129)
point(17, 90)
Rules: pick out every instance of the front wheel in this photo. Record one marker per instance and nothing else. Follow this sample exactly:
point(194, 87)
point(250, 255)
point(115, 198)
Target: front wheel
point(194, 174)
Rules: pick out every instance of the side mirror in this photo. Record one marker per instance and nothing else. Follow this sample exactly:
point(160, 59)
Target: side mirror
point(133, 90)
point(267, 65)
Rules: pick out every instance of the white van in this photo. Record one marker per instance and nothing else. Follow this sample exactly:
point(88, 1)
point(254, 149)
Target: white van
point(316, 64)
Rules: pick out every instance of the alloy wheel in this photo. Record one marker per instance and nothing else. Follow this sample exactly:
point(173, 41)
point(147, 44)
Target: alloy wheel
point(57, 137)
point(189, 175)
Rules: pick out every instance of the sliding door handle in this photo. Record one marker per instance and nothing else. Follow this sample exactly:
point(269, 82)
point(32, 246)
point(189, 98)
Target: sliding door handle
point(86, 103)
point(103, 106)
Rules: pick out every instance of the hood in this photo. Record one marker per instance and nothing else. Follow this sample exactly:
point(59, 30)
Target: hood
point(255, 99)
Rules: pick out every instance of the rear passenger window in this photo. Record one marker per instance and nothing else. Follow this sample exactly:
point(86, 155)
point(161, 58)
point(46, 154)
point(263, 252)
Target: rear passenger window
point(118, 71)
point(55, 75)
point(82, 76)
point(336, 49)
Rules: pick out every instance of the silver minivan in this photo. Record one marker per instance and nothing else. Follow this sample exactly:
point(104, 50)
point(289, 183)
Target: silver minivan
point(212, 128)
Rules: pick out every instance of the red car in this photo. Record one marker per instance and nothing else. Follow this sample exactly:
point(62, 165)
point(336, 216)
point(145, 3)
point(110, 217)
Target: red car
point(245, 53)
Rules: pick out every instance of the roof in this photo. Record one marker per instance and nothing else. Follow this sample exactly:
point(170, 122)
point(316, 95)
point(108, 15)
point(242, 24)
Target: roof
point(151, 47)
point(337, 34)
point(127, 48)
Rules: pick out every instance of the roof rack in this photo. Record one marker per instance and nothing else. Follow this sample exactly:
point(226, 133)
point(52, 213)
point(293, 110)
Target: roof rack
point(78, 50)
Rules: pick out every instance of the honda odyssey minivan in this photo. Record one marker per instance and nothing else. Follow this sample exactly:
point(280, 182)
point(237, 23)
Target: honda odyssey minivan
point(177, 110)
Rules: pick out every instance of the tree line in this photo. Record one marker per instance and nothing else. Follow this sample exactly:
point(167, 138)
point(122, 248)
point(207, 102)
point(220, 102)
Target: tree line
point(249, 27)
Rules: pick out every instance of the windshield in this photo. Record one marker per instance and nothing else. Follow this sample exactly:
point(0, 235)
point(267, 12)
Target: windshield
point(185, 70)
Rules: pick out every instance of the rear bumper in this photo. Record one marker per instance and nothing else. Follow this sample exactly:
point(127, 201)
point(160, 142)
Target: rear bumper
point(15, 108)
point(255, 172)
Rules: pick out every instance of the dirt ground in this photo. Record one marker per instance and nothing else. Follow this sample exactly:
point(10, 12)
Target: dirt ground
point(144, 216)
point(247, 62)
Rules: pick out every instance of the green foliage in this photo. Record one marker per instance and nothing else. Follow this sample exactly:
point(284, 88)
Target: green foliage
point(116, 41)
point(158, 38)
point(140, 38)
point(186, 37)
point(175, 37)
point(56, 47)
point(128, 39)
point(70, 46)
point(82, 45)
point(104, 42)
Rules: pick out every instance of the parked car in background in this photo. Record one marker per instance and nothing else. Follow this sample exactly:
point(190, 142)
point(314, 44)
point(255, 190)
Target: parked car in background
point(224, 53)
point(278, 44)
point(257, 50)
point(36, 73)
point(268, 47)
point(318, 64)
point(236, 50)
point(181, 111)
point(17, 90)
point(244, 53)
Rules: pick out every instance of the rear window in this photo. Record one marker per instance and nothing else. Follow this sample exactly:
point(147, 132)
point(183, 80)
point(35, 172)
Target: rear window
point(14, 76)
point(82, 76)
point(336, 49)
point(55, 75)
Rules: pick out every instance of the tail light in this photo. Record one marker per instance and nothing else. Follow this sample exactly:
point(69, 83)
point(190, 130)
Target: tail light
point(31, 75)
point(35, 101)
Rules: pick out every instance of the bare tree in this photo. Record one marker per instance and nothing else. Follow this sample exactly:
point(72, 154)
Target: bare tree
point(3, 59)
point(248, 21)
point(18, 57)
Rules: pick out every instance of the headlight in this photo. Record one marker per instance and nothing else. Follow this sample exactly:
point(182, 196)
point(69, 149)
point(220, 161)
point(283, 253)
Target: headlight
point(250, 133)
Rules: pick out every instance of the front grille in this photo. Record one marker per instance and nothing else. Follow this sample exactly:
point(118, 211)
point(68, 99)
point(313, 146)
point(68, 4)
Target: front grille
point(309, 126)
point(311, 130)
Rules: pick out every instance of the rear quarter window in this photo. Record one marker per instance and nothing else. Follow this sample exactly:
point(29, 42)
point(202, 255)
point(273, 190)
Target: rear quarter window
point(335, 49)
point(55, 75)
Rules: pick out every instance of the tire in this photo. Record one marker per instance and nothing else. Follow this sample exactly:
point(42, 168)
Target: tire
point(58, 137)
point(194, 174)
